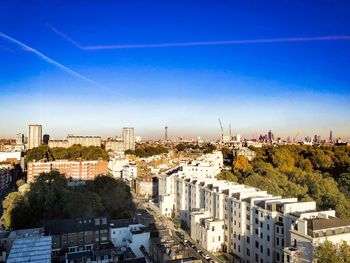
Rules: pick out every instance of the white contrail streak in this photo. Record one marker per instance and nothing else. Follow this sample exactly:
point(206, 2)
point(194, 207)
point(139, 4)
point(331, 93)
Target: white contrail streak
point(49, 60)
point(201, 43)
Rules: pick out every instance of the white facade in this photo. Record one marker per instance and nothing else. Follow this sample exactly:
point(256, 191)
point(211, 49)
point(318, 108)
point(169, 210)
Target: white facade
point(122, 168)
point(34, 135)
point(312, 229)
point(10, 155)
point(231, 217)
point(131, 236)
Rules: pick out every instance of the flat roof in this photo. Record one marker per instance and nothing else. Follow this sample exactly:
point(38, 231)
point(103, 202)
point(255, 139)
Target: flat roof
point(34, 249)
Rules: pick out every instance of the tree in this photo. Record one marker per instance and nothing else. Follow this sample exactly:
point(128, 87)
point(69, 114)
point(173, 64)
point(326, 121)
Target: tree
point(228, 176)
point(20, 182)
point(329, 252)
point(241, 164)
point(50, 197)
point(344, 183)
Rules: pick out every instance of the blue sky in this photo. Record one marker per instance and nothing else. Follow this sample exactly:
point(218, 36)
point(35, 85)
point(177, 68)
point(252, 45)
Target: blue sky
point(287, 86)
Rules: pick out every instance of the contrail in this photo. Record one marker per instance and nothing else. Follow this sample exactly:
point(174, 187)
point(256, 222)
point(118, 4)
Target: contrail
point(49, 60)
point(202, 43)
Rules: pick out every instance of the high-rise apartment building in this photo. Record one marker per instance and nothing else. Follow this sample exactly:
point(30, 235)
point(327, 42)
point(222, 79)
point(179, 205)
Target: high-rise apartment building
point(128, 136)
point(19, 138)
point(34, 135)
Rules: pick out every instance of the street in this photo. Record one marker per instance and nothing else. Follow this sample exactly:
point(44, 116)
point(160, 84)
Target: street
point(178, 234)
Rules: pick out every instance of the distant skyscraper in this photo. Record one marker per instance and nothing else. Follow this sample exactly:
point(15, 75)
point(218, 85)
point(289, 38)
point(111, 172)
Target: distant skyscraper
point(46, 138)
point(331, 136)
point(34, 135)
point(166, 133)
point(270, 136)
point(19, 139)
point(128, 137)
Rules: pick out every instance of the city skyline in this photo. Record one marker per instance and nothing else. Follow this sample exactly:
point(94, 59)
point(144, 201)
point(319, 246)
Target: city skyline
point(176, 64)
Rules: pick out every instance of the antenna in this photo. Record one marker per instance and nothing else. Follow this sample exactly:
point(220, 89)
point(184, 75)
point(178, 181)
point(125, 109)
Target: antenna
point(222, 131)
point(166, 133)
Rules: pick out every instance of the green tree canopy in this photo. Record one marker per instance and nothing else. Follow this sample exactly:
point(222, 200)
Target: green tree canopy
point(71, 153)
point(50, 197)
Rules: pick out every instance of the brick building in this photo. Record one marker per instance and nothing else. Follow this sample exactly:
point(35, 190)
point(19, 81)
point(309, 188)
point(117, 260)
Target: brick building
point(77, 170)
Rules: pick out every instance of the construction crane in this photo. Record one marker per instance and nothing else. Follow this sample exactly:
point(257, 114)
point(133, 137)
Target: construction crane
point(222, 131)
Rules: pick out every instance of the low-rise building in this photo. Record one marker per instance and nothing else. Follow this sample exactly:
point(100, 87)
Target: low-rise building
point(73, 139)
point(147, 186)
point(75, 239)
point(126, 234)
point(77, 170)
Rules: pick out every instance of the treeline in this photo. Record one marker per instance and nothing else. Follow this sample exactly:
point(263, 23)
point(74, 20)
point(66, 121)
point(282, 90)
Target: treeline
point(147, 151)
point(71, 153)
point(50, 197)
point(308, 173)
point(205, 148)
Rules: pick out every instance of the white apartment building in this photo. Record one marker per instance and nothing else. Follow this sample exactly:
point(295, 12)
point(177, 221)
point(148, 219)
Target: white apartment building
point(34, 135)
point(125, 234)
point(311, 229)
point(225, 216)
point(123, 168)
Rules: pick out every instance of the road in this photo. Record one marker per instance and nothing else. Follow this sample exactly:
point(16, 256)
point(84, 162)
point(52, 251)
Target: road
point(154, 211)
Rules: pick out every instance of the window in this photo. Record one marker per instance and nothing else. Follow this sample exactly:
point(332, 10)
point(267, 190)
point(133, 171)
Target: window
point(256, 244)
point(261, 248)
point(278, 256)
point(261, 235)
point(277, 241)
point(248, 240)
point(268, 252)
point(268, 227)
point(248, 252)
point(256, 212)
point(277, 230)
point(257, 231)
point(248, 227)
point(268, 238)
point(261, 224)
point(212, 228)
point(256, 221)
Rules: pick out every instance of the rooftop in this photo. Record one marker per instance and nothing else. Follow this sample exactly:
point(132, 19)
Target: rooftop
point(34, 249)
point(60, 226)
point(325, 223)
